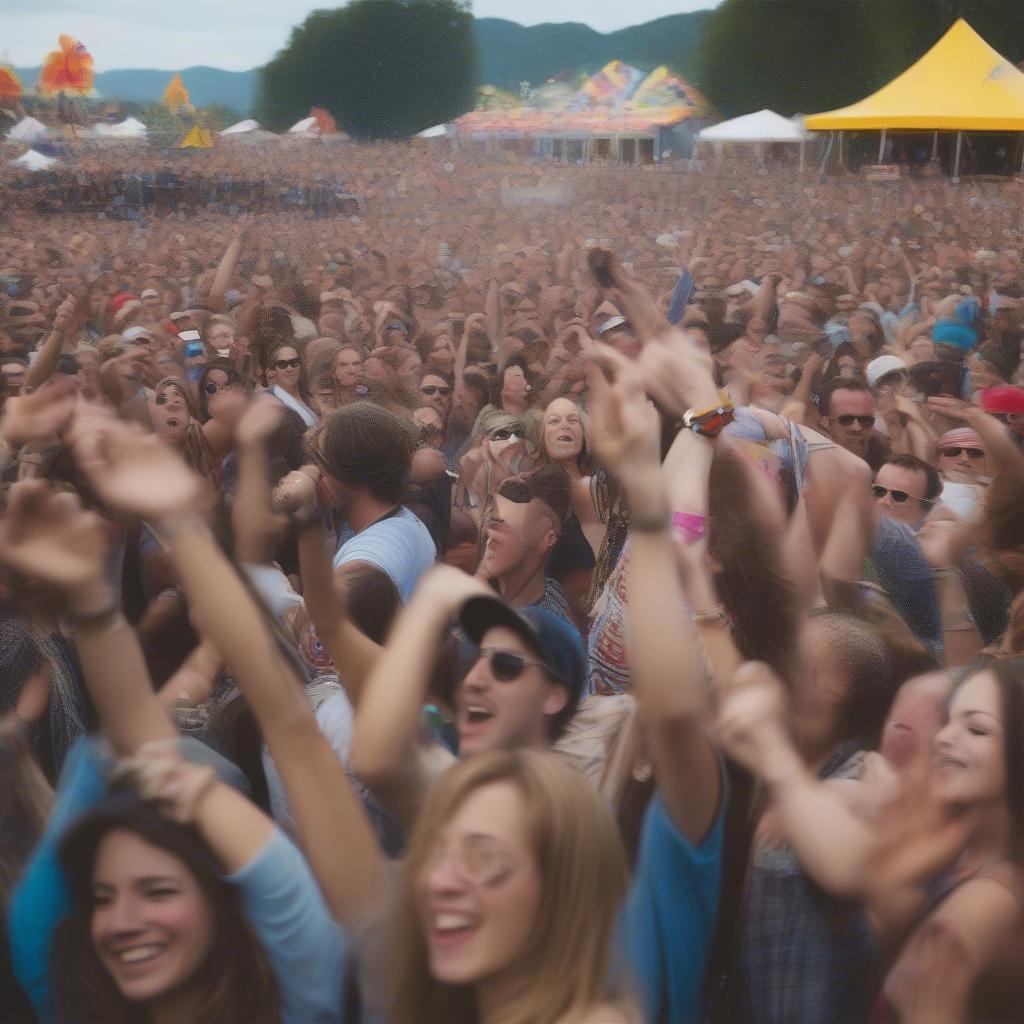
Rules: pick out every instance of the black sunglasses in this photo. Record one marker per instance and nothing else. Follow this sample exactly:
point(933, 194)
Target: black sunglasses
point(955, 453)
point(867, 422)
point(504, 434)
point(507, 665)
point(435, 389)
point(212, 389)
point(284, 364)
point(898, 496)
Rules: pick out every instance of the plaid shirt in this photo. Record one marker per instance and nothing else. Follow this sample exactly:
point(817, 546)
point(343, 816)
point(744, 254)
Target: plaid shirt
point(807, 958)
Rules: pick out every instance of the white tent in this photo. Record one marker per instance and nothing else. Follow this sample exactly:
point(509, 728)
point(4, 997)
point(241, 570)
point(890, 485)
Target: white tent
point(307, 126)
point(28, 129)
point(248, 125)
point(129, 130)
point(34, 161)
point(763, 126)
point(437, 132)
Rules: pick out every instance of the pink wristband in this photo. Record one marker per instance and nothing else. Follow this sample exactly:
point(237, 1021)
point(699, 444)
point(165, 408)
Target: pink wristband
point(691, 525)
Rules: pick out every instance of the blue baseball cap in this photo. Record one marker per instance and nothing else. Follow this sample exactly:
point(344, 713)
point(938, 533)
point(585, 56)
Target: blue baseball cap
point(556, 642)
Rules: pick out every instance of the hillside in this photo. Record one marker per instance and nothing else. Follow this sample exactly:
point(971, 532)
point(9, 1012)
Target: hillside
point(509, 54)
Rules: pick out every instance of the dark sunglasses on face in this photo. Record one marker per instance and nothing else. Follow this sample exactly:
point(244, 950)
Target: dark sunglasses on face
point(163, 398)
point(287, 364)
point(504, 434)
point(507, 665)
point(955, 453)
point(435, 389)
point(867, 422)
point(212, 389)
point(898, 496)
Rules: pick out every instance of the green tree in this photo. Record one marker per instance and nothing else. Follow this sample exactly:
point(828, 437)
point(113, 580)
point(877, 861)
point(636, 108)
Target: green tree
point(383, 68)
point(792, 56)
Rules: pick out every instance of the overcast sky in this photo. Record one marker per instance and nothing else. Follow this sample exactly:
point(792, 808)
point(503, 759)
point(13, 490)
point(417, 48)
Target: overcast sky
point(240, 34)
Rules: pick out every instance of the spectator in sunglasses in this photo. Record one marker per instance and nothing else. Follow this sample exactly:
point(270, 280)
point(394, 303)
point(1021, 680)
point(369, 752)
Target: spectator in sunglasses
point(847, 413)
point(906, 489)
point(288, 382)
point(436, 390)
point(961, 455)
point(521, 531)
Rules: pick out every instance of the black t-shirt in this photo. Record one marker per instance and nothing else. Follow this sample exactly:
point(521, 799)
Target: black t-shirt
point(572, 551)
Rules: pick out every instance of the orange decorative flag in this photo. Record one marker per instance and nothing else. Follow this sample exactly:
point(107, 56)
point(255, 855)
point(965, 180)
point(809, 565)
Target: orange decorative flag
point(176, 95)
point(68, 69)
point(10, 87)
point(325, 123)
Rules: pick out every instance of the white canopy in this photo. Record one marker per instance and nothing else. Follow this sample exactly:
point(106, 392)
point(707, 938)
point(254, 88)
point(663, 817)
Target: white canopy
point(34, 161)
point(130, 128)
point(433, 133)
point(307, 126)
point(26, 130)
point(763, 126)
point(248, 125)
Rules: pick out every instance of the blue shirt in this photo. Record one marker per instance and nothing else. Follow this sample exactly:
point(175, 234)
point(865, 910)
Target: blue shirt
point(670, 915)
point(303, 943)
point(399, 544)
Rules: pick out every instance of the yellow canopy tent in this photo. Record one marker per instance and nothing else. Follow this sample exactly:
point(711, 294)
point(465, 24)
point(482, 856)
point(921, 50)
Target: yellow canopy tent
point(197, 138)
point(961, 84)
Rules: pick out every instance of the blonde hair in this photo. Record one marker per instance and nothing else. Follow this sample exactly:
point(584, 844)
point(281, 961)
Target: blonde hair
point(583, 881)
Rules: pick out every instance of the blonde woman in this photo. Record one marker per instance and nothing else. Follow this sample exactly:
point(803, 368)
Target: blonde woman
point(508, 897)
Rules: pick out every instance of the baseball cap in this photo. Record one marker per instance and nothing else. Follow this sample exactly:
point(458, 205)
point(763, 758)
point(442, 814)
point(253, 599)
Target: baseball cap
point(150, 293)
point(1003, 399)
point(882, 367)
point(134, 333)
point(182, 314)
point(557, 643)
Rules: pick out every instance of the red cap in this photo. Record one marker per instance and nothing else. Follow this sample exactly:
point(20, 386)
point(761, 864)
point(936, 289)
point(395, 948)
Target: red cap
point(1004, 398)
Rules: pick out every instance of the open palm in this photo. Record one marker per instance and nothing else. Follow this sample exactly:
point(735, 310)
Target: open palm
point(49, 537)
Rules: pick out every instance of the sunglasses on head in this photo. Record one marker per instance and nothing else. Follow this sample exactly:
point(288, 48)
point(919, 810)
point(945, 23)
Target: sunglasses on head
point(435, 389)
point(867, 422)
point(504, 434)
point(955, 453)
point(288, 364)
point(898, 496)
point(507, 665)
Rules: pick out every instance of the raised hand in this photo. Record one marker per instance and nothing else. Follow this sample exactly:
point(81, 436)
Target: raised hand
point(625, 428)
point(159, 773)
point(134, 473)
point(40, 415)
point(261, 419)
point(49, 537)
point(751, 722)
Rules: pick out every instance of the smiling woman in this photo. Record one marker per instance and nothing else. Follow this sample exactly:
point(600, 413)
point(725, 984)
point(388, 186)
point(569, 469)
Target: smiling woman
point(154, 924)
point(510, 891)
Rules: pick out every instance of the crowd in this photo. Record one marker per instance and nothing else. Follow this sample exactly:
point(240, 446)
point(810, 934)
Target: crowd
point(467, 611)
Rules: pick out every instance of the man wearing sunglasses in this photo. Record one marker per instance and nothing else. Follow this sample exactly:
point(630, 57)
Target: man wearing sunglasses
point(436, 390)
point(906, 489)
point(521, 532)
point(847, 413)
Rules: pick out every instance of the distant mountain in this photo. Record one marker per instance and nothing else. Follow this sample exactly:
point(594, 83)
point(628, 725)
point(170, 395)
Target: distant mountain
point(205, 85)
point(508, 54)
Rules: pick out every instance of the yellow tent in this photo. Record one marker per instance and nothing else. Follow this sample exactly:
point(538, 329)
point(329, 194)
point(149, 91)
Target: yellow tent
point(960, 84)
point(197, 138)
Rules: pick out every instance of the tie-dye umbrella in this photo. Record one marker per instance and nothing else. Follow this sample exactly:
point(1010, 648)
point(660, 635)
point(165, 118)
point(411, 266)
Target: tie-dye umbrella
point(67, 70)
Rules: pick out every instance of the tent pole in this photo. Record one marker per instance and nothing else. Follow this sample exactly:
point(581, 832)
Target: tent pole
point(881, 146)
point(956, 161)
point(935, 144)
point(802, 157)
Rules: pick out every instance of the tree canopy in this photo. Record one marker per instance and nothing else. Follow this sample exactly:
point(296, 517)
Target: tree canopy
point(799, 58)
point(383, 68)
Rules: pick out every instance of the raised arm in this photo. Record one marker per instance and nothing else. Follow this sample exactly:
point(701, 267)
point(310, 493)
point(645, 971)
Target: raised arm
point(384, 749)
point(47, 537)
point(1003, 451)
point(226, 268)
point(142, 477)
point(667, 678)
point(68, 317)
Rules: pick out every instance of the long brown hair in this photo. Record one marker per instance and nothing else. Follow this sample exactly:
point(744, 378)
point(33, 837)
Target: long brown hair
point(25, 802)
point(235, 983)
point(583, 877)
